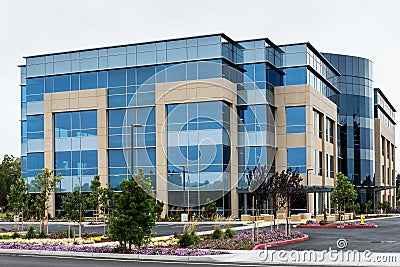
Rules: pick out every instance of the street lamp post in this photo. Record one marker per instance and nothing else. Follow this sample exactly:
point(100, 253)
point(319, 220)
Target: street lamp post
point(133, 126)
point(184, 186)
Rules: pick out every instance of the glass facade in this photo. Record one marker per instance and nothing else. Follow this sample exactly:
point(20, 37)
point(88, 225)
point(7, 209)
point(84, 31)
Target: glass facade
point(199, 144)
point(75, 149)
point(355, 117)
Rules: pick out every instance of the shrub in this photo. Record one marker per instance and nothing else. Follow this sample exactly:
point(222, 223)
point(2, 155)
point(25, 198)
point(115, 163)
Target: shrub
point(322, 222)
point(229, 233)
point(217, 233)
point(188, 238)
point(15, 235)
point(42, 235)
point(31, 232)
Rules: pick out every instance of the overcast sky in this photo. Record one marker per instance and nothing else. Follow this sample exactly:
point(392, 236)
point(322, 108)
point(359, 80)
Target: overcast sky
point(366, 28)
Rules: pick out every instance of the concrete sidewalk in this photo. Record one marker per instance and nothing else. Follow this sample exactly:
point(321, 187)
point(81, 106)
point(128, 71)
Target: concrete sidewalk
point(281, 257)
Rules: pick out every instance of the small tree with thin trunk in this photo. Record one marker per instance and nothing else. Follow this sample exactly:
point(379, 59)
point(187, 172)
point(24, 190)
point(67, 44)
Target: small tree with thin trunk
point(74, 204)
point(95, 194)
point(106, 196)
point(44, 186)
point(18, 197)
point(282, 188)
point(343, 193)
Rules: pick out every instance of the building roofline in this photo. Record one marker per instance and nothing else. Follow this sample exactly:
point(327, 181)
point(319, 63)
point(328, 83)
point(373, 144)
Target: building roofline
point(264, 39)
point(137, 43)
point(384, 97)
point(312, 48)
point(384, 112)
point(337, 91)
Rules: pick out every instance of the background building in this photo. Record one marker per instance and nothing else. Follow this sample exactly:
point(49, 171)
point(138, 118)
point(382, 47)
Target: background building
point(198, 114)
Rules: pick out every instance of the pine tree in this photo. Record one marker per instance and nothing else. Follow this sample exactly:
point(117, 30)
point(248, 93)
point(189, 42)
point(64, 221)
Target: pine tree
point(137, 212)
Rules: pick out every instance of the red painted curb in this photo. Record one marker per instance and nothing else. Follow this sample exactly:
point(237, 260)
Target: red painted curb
point(281, 243)
point(337, 226)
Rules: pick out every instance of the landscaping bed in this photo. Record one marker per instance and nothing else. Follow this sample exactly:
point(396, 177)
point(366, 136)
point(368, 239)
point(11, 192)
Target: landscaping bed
point(349, 225)
point(208, 245)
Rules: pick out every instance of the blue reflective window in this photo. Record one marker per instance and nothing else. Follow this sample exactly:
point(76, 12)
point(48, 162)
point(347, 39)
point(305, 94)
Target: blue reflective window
point(116, 158)
point(102, 79)
point(89, 159)
point(145, 73)
point(191, 71)
point(35, 161)
point(174, 55)
point(62, 160)
point(296, 158)
point(116, 78)
point(116, 101)
point(62, 66)
point(209, 40)
point(88, 80)
point(116, 61)
point(35, 86)
point(146, 58)
point(209, 69)
point(74, 82)
point(62, 124)
point(88, 119)
point(132, 76)
point(62, 83)
point(49, 85)
point(296, 119)
point(209, 51)
point(116, 117)
point(296, 76)
point(35, 123)
point(176, 73)
point(89, 64)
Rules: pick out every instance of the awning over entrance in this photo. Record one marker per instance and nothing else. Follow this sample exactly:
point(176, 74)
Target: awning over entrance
point(318, 188)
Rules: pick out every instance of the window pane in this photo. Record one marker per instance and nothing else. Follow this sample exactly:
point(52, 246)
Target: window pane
point(296, 119)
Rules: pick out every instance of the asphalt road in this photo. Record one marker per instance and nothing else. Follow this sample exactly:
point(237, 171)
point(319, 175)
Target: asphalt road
point(385, 238)
point(50, 261)
point(161, 229)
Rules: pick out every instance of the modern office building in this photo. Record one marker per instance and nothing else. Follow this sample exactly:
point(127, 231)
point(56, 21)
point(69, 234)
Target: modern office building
point(198, 114)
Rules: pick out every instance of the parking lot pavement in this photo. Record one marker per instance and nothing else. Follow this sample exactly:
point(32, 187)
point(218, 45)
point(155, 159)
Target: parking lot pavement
point(385, 238)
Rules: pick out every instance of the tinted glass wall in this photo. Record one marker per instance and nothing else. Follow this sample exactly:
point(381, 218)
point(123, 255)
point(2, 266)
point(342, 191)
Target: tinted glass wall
point(355, 106)
point(199, 145)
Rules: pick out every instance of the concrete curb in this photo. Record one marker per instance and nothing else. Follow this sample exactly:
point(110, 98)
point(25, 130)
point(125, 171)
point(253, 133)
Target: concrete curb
point(106, 255)
point(281, 243)
point(336, 226)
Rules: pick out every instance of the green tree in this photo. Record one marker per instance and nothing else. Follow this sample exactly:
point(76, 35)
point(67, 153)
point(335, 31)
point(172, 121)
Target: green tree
point(44, 186)
point(74, 204)
point(343, 193)
point(10, 170)
point(106, 197)
point(137, 212)
point(18, 197)
point(384, 206)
